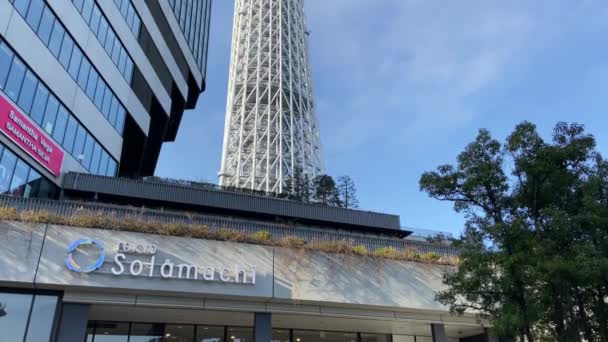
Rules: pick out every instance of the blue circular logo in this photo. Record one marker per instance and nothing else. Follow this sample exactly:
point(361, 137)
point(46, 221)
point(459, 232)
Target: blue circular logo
point(74, 266)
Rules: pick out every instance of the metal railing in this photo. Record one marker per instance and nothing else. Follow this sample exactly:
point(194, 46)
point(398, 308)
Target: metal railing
point(215, 222)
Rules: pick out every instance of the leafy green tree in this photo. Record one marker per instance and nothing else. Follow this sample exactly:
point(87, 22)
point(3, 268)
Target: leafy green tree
point(347, 192)
point(534, 250)
point(325, 191)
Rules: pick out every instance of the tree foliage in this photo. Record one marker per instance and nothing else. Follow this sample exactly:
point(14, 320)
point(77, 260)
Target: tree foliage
point(347, 192)
point(535, 244)
point(326, 191)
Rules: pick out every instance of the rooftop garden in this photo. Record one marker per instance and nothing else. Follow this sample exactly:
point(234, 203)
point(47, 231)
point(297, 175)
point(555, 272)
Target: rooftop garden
point(88, 219)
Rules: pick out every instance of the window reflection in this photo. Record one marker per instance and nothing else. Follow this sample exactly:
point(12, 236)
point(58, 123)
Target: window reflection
point(280, 335)
point(325, 336)
point(43, 316)
point(240, 334)
point(141, 332)
point(111, 332)
point(209, 334)
point(13, 317)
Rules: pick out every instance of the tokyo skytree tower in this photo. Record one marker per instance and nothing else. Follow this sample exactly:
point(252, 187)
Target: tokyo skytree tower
point(271, 128)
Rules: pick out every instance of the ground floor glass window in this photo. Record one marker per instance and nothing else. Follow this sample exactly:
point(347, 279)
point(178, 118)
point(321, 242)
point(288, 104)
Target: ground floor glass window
point(100, 331)
point(17, 309)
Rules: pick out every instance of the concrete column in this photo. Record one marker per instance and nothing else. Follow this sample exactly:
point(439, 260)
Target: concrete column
point(73, 323)
point(438, 331)
point(262, 327)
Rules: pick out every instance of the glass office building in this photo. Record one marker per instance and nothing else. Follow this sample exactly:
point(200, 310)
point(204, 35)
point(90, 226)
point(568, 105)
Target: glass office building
point(94, 86)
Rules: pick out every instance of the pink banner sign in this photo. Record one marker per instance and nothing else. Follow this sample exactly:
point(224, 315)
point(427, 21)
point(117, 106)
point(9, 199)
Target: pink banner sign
point(32, 140)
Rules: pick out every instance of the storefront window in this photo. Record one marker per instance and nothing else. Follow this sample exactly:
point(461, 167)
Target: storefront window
point(109, 332)
point(141, 332)
point(325, 336)
point(375, 338)
point(280, 335)
point(14, 310)
point(240, 334)
point(209, 334)
point(43, 316)
point(178, 333)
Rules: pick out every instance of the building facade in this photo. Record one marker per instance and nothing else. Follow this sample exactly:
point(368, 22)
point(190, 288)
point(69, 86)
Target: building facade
point(94, 86)
point(271, 126)
point(63, 283)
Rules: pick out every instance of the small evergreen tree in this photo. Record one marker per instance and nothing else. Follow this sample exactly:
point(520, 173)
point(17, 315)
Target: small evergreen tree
point(325, 191)
point(347, 192)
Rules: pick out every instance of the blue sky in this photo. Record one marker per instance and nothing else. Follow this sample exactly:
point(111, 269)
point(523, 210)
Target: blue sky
point(403, 85)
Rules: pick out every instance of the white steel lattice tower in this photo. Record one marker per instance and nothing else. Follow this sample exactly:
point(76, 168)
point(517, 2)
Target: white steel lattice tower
point(271, 128)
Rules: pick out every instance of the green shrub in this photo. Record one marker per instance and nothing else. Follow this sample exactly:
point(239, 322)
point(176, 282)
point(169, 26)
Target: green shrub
point(386, 252)
point(262, 236)
point(359, 250)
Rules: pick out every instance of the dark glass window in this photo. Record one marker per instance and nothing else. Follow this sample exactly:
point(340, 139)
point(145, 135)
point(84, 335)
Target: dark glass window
point(28, 89)
point(56, 38)
point(179, 333)
point(112, 332)
point(16, 311)
point(88, 151)
point(83, 73)
point(32, 187)
point(60, 124)
point(50, 114)
point(242, 334)
point(320, 336)
point(70, 134)
point(43, 314)
point(207, 333)
point(375, 338)
point(15, 78)
point(6, 59)
point(75, 63)
point(19, 178)
point(66, 51)
point(280, 335)
point(7, 165)
point(35, 13)
point(95, 158)
point(40, 100)
point(21, 6)
point(145, 332)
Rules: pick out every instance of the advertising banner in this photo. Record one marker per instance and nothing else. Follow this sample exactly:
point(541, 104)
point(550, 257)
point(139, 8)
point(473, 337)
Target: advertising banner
point(32, 140)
